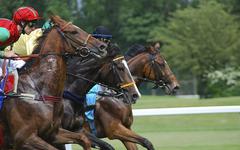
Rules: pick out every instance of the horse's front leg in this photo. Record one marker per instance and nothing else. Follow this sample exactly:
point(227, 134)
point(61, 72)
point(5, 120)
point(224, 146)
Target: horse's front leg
point(68, 137)
point(34, 142)
point(124, 134)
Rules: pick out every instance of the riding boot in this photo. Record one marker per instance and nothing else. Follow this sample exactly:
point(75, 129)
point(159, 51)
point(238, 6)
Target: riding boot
point(92, 126)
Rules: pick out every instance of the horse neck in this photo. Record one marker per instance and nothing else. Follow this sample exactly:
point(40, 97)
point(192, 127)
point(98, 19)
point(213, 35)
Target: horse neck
point(47, 75)
point(136, 65)
point(88, 69)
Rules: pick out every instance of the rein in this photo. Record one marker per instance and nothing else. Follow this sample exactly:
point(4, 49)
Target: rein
point(26, 57)
point(92, 81)
point(30, 96)
point(157, 82)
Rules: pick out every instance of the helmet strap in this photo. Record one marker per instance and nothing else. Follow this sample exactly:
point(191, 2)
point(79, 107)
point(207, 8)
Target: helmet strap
point(23, 25)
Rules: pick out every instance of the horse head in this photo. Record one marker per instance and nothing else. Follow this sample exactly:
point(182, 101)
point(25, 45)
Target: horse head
point(150, 65)
point(83, 43)
point(112, 72)
point(119, 76)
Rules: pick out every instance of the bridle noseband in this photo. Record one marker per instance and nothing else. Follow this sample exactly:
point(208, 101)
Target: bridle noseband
point(122, 86)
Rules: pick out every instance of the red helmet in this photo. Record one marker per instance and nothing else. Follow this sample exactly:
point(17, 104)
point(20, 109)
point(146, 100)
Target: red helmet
point(25, 14)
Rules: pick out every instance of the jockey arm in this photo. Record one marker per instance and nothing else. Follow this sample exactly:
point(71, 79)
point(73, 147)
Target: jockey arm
point(4, 36)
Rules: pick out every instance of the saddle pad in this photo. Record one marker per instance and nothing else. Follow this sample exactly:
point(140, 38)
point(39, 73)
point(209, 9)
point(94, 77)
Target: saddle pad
point(9, 84)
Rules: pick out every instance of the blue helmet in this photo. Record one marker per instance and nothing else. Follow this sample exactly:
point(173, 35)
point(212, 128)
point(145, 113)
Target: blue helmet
point(102, 32)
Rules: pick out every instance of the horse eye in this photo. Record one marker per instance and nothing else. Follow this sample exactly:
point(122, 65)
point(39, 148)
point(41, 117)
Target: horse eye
point(121, 67)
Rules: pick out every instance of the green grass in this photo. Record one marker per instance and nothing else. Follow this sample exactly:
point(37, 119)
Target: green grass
point(170, 101)
point(187, 132)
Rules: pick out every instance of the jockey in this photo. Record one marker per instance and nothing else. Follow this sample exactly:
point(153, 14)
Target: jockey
point(23, 21)
point(103, 34)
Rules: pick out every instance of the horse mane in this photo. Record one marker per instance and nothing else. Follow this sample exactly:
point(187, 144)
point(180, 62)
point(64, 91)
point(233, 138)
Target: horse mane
point(134, 50)
point(36, 50)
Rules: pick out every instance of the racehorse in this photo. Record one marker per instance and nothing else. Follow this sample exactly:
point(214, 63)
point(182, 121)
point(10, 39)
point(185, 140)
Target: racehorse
point(33, 116)
point(113, 118)
point(114, 72)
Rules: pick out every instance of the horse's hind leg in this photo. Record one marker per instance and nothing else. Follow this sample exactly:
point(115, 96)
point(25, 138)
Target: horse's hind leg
point(124, 134)
point(36, 143)
point(68, 137)
point(99, 143)
point(130, 145)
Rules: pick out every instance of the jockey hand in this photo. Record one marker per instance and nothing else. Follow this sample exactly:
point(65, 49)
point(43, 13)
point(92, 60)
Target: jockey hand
point(10, 54)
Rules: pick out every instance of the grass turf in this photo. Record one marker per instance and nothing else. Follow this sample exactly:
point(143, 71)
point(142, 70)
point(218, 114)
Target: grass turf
point(187, 132)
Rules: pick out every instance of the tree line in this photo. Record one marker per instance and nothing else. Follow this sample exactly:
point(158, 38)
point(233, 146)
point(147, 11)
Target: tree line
point(199, 38)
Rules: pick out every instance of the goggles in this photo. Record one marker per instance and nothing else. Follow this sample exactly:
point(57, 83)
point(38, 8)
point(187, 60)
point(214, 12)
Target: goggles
point(32, 24)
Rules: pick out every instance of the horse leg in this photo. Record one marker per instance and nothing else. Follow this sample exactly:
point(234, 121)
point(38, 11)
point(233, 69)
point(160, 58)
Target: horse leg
point(36, 143)
point(124, 134)
point(99, 143)
point(68, 137)
point(130, 145)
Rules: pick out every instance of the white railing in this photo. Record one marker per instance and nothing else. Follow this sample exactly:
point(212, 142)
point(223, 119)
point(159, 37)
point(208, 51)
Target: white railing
point(186, 110)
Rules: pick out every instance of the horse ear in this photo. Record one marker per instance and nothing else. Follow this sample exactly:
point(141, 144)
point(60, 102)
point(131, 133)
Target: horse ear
point(53, 18)
point(57, 20)
point(151, 49)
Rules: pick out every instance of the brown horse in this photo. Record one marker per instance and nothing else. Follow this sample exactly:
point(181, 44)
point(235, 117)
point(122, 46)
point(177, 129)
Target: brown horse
point(113, 118)
point(30, 123)
point(114, 72)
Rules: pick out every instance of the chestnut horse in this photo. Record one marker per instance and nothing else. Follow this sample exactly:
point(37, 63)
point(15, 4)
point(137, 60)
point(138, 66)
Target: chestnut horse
point(32, 118)
point(113, 118)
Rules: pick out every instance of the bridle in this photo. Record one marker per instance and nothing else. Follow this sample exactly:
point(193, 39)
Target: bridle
point(113, 66)
point(159, 81)
point(84, 51)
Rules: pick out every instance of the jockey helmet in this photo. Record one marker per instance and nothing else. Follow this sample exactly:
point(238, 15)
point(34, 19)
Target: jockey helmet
point(102, 32)
point(25, 14)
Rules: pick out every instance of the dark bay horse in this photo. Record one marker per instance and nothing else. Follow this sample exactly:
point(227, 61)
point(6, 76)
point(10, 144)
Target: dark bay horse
point(33, 116)
point(113, 118)
point(114, 73)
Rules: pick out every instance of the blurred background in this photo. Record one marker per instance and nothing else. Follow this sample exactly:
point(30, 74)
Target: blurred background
point(199, 38)
point(200, 41)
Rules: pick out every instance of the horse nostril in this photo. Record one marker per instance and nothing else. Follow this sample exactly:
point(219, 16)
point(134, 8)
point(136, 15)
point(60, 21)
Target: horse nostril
point(135, 97)
point(176, 87)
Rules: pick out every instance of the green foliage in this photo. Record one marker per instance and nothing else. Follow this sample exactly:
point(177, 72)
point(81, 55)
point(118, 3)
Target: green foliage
point(140, 17)
point(7, 7)
point(200, 40)
point(60, 8)
point(227, 80)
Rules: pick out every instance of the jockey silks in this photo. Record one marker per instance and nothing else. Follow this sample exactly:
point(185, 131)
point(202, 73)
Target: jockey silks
point(13, 31)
